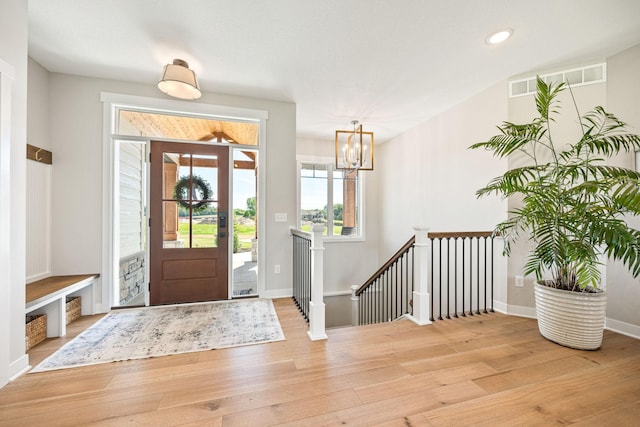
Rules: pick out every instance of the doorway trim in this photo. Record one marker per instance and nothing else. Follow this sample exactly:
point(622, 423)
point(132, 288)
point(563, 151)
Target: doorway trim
point(13, 360)
point(112, 102)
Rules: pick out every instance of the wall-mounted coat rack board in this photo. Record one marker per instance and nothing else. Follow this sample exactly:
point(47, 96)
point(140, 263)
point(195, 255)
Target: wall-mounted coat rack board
point(39, 154)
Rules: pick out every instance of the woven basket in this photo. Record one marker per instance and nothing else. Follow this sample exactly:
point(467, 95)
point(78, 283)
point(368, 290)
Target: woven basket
point(36, 330)
point(73, 308)
point(572, 319)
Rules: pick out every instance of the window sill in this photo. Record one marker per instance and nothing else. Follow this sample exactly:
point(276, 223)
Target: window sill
point(343, 239)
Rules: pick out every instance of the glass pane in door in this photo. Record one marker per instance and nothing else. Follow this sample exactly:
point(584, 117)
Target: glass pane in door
point(190, 201)
point(204, 227)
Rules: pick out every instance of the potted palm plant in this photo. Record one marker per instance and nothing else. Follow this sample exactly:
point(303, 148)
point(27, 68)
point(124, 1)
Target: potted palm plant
point(574, 211)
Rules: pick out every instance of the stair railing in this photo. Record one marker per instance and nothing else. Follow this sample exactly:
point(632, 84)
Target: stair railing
point(308, 279)
point(390, 292)
point(431, 277)
point(463, 269)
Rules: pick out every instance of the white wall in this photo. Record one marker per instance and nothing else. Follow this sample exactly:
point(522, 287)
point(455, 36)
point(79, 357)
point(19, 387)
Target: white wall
point(39, 176)
point(623, 93)
point(38, 221)
point(428, 176)
point(13, 51)
point(38, 106)
point(76, 142)
point(76, 134)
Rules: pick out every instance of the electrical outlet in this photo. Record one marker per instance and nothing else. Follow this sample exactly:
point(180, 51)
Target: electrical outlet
point(276, 269)
point(519, 281)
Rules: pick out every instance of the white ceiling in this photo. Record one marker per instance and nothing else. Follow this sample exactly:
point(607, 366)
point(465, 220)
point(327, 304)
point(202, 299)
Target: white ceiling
point(388, 63)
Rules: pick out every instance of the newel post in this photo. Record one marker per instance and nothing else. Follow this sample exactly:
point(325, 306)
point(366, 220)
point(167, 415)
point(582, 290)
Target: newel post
point(316, 305)
point(421, 298)
point(355, 310)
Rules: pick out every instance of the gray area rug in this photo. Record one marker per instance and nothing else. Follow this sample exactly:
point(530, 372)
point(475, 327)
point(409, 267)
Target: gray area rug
point(158, 331)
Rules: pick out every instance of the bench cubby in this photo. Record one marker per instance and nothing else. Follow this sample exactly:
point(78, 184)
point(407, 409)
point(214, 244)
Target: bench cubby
point(49, 296)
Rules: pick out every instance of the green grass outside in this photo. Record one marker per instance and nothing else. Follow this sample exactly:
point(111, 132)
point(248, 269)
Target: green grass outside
point(245, 233)
point(204, 234)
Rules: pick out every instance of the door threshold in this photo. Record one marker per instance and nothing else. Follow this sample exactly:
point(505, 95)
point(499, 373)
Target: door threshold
point(245, 296)
point(123, 307)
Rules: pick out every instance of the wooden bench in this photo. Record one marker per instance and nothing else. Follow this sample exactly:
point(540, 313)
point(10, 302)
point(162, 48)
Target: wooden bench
point(49, 296)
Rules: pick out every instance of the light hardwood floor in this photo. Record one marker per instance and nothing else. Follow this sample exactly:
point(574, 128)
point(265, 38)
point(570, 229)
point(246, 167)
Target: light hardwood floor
point(492, 370)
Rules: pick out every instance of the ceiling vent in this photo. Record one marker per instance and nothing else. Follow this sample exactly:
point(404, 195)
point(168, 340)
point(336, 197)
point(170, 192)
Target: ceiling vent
point(586, 75)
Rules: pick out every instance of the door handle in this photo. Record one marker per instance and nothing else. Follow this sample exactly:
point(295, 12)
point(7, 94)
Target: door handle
point(222, 235)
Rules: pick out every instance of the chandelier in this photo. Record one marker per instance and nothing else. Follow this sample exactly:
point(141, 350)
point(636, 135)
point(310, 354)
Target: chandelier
point(354, 149)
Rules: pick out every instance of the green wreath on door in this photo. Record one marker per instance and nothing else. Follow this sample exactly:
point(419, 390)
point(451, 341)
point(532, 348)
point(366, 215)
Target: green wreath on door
point(200, 186)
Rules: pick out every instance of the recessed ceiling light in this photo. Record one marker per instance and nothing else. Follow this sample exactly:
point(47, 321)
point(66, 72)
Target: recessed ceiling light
point(499, 36)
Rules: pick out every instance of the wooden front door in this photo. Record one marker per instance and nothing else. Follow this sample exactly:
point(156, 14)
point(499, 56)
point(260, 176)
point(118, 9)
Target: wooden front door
point(188, 214)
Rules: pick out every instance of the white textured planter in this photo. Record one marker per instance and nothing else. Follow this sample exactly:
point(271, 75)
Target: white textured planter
point(572, 319)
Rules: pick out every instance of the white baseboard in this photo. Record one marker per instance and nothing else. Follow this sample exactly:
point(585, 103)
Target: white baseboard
point(19, 367)
point(38, 276)
point(500, 307)
point(518, 310)
point(416, 321)
point(286, 293)
point(337, 293)
point(276, 293)
point(623, 328)
point(514, 310)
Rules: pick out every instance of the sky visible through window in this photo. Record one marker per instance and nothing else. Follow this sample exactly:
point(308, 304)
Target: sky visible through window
point(314, 193)
point(313, 187)
point(244, 183)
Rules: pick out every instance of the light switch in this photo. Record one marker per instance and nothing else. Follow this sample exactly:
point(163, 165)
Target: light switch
point(281, 217)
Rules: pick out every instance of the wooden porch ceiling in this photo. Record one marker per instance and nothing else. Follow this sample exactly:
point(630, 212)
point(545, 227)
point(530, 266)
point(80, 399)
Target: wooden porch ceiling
point(207, 162)
point(187, 128)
